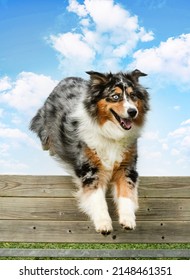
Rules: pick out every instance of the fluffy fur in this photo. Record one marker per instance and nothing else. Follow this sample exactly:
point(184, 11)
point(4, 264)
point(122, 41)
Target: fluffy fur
point(92, 127)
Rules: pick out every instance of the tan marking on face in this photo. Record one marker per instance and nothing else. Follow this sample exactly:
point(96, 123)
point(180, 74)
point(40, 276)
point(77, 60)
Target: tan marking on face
point(104, 113)
point(118, 90)
point(129, 90)
point(139, 120)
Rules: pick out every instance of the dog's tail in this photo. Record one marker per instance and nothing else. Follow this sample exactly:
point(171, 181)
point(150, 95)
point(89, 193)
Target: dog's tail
point(38, 125)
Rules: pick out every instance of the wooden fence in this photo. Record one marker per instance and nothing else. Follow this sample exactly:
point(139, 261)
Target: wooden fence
point(42, 209)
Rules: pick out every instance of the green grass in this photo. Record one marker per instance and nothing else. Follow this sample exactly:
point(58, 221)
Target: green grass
point(86, 246)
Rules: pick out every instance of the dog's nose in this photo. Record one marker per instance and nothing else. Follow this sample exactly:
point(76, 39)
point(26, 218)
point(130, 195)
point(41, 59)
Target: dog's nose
point(132, 112)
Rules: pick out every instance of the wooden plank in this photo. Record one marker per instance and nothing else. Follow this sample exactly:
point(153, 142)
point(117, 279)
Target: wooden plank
point(83, 232)
point(40, 209)
point(178, 187)
point(66, 209)
point(36, 186)
point(62, 186)
point(96, 253)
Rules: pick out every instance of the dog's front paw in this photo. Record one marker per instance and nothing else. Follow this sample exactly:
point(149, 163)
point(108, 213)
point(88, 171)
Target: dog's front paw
point(104, 226)
point(127, 221)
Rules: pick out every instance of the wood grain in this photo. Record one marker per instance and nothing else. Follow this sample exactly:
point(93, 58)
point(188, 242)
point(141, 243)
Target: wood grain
point(83, 232)
point(62, 186)
point(42, 209)
point(65, 209)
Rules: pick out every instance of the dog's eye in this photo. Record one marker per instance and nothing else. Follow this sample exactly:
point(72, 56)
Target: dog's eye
point(115, 97)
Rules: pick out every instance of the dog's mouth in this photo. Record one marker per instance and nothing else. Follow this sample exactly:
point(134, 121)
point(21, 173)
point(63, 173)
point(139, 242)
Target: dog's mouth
point(124, 122)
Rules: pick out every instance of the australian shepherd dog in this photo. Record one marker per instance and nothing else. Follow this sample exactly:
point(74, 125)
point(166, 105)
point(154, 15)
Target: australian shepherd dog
point(92, 127)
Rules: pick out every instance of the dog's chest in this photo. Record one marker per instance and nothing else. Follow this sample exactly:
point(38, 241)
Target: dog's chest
point(108, 152)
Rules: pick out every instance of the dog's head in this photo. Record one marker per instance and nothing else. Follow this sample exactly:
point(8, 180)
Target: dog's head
point(117, 98)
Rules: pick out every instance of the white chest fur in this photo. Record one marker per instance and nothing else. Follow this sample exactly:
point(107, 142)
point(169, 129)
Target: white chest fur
point(108, 150)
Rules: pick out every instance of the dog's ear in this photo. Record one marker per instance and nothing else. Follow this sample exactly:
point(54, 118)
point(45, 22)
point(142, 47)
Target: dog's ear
point(98, 78)
point(136, 74)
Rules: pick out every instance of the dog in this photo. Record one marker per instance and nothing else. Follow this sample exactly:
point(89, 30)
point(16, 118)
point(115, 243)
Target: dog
point(92, 127)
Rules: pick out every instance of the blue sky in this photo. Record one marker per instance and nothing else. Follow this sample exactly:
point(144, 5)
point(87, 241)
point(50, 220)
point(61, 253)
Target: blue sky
point(45, 41)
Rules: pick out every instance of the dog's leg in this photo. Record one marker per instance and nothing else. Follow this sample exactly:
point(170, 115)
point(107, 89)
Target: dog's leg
point(93, 203)
point(126, 198)
point(92, 180)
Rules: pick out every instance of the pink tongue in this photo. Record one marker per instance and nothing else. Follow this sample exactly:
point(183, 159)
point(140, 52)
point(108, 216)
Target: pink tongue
point(126, 124)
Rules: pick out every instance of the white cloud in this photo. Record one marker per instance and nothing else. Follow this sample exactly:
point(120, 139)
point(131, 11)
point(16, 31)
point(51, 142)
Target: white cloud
point(24, 95)
point(153, 155)
point(171, 59)
point(12, 133)
point(15, 148)
point(85, 22)
point(4, 148)
point(75, 52)
point(165, 154)
point(77, 8)
point(145, 36)
point(180, 132)
point(108, 33)
point(5, 83)
point(151, 135)
point(109, 16)
point(186, 122)
point(186, 142)
point(165, 146)
point(179, 143)
point(28, 91)
point(16, 120)
point(11, 166)
point(175, 152)
point(16, 135)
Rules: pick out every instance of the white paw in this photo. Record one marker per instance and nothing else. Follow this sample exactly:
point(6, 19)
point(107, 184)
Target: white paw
point(103, 226)
point(127, 221)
